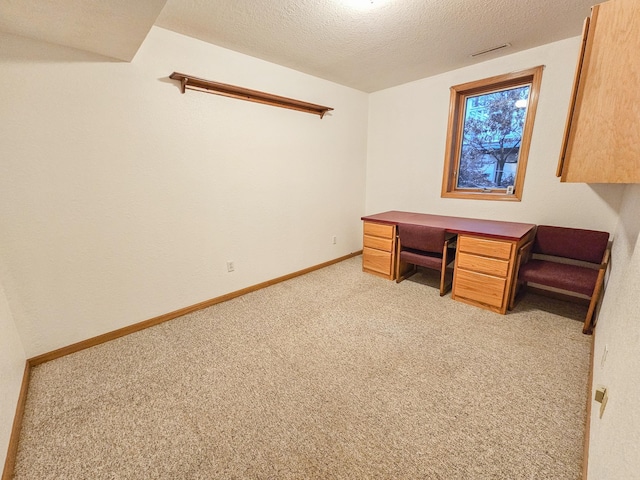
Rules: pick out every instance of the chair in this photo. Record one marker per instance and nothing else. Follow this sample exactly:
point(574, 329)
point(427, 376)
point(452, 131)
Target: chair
point(568, 259)
point(421, 245)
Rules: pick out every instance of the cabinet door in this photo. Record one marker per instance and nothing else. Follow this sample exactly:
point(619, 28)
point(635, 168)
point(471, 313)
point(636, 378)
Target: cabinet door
point(574, 94)
point(378, 230)
point(603, 138)
point(485, 247)
point(377, 261)
point(384, 244)
point(481, 288)
point(477, 263)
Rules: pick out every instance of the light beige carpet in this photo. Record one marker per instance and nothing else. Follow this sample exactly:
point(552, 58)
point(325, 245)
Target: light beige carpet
point(335, 374)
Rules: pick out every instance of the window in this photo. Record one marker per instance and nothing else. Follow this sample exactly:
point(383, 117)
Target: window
point(490, 126)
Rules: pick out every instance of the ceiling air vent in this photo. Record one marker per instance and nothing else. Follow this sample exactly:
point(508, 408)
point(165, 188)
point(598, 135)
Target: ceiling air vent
point(489, 50)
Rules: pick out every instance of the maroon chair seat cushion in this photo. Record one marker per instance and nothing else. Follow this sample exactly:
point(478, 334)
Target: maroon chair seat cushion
point(424, 259)
point(559, 275)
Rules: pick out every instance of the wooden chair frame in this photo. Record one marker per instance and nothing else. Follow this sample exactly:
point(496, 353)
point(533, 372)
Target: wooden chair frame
point(524, 254)
point(403, 273)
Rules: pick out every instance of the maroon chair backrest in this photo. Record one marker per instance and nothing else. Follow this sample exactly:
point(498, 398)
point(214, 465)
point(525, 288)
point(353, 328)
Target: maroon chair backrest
point(421, 237)
point(575, 243)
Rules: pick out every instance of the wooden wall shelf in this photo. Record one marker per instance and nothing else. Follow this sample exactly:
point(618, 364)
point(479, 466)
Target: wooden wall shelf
point(189, 82)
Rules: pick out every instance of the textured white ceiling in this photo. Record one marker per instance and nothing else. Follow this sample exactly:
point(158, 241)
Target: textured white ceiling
point(384, 43)
point(369, 47)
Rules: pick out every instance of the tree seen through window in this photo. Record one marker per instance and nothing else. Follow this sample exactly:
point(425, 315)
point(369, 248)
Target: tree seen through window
point(492, 136)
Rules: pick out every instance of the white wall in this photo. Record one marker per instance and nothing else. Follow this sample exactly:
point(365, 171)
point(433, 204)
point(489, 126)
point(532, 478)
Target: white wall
point(615, 438)
point(122, 199)
point(407, 132)
point(12, 362)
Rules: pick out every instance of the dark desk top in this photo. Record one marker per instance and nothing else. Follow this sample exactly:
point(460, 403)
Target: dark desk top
point(471, 226)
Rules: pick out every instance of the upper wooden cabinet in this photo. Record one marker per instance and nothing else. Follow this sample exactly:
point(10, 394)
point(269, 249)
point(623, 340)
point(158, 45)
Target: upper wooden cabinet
point(602, 134)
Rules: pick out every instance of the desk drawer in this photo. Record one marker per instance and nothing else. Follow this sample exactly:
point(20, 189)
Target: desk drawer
point(385, 244)
point(491, 266)
point(481, 288)
point(377, 261)
point(484, 246)
point(379, 230)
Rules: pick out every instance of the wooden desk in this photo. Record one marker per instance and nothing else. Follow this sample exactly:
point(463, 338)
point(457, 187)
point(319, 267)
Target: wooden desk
point(486, 254)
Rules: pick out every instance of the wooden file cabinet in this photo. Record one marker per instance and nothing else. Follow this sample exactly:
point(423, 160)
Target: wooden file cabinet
point(379, 248)
point(483, 272)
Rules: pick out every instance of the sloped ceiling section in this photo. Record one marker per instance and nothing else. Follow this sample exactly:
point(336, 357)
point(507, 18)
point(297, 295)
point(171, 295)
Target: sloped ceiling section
point(113, 28)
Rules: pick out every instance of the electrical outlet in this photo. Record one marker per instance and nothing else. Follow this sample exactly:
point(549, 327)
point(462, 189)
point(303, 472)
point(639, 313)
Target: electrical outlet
point(230, 266)
point(603, 405)
point(602, 397)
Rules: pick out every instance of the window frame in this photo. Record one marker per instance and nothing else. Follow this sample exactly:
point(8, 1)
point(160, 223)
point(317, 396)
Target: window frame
point(459, 94)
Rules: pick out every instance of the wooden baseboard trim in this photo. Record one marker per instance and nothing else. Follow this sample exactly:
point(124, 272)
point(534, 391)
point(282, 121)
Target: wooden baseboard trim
point(12, 450)
point(587, 428)
point(91, 342)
